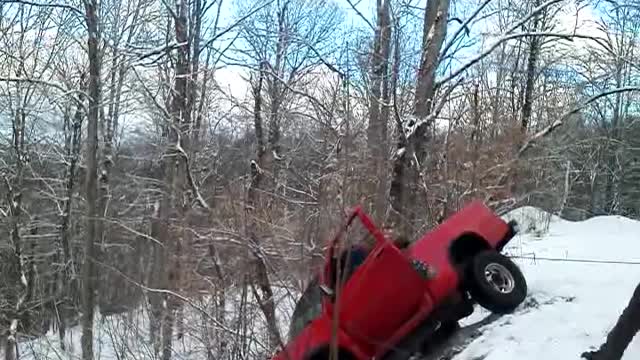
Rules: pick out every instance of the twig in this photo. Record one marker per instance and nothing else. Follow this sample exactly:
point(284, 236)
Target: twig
point(321, 58)
point(180, 297)
point(160, 50)
point(361, 15)
point(31, 3)
point(506, 38)
point(235, 24)
point(49, 84)
point(194, 187)
point(519, 24)
point(464, 26)
point(546, 131)
point(556, 124)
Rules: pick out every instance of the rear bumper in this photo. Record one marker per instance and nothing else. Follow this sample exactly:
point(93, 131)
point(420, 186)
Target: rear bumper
point(512, 230)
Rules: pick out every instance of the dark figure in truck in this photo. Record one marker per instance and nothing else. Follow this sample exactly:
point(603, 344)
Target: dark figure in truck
point(352, 257)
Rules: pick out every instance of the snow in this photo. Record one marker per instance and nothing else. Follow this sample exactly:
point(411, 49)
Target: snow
point(571, 306)
point(126, 336)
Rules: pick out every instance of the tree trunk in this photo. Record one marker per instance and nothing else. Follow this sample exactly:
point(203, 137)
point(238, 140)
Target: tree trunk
point(379, 108)
point(196, 21)
point(566, 190)
point(88, 268)
point(622, 334)
point(64, 287)
point(532, 63)
point(14, 196)
point(254, 203)
point(175, 183)
point(434, 31)
point(475, 138)
point(612, 176)
point(516, 177)
point(276, 95)
point(409, 159)
point(110, 123)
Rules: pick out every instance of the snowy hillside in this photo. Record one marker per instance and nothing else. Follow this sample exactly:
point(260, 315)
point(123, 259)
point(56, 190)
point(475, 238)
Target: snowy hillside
point(127, 336)
point(571, 305)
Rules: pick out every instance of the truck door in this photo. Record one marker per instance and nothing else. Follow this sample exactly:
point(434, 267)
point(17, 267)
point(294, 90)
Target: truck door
point(380, 296)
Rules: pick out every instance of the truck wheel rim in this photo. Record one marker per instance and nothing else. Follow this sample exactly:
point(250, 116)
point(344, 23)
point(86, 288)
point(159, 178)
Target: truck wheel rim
point(499, 277)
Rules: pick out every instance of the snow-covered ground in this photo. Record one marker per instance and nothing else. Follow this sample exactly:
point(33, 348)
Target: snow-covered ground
point(570, 308)
point(571, 305)
point(126, 336)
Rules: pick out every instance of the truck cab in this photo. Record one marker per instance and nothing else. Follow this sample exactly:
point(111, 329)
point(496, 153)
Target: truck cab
point(387, 302)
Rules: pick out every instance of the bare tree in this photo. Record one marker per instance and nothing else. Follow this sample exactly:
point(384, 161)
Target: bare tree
point(65, 285)
point(24, 72)
point(286, 42)
point(411, 147)
point(193, 191)
point(610, 64)
point(379, 105)
point(93, 121)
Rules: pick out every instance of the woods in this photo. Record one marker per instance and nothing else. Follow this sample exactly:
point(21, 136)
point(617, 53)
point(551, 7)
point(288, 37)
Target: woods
point(183, 162)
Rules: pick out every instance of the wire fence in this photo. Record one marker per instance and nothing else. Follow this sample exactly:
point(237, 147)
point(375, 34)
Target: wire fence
point(586, 261)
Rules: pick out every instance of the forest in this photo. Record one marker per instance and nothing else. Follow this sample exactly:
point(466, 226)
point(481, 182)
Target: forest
point(190, 158)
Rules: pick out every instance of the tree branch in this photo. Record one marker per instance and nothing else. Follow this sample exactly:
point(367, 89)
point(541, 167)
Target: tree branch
point(321, 58)
point(49, 84)
point(464, 26)
point(194, 187)
point(528, 144)
point(556, 124)
point(434, 114)
point(506, 38)
point(235, 24)
point(353, 6)
point(161, 50)
point(519, 24)
point(31, 3)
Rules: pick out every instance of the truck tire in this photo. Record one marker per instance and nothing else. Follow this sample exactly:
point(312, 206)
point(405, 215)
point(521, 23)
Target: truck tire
point(496, 282)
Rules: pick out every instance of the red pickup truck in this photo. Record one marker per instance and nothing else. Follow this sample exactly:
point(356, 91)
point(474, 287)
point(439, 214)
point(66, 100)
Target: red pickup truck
point(387, 308)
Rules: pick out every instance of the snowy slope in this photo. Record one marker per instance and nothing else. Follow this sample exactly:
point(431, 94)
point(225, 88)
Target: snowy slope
point(126, 336)
point(570, 308)
point(571, 305)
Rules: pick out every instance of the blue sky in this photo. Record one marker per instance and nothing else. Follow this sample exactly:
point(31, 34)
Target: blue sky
point(366, 7)
point(352, 20)
point(461, 9)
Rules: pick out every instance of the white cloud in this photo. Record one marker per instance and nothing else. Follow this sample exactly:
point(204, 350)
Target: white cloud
point(581, 19)
point(233, 81)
